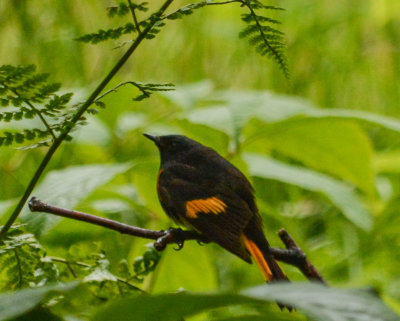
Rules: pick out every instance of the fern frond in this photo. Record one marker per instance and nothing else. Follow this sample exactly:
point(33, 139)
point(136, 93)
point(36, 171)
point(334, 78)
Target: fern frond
point(145, 90)
point(104, 35)
point(20, 88)
point(267, 40)
point(120, 10)
point(21, 258)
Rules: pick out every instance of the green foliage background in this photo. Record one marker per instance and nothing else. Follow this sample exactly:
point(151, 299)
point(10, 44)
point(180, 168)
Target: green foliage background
point(322, 150)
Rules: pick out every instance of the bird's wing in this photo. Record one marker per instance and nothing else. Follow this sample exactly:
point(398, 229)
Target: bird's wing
point(202, 204)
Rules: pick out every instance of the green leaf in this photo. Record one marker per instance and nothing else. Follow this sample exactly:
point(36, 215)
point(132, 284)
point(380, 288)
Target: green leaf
point(66, 188)
point(335, 146)
point(187, 96)
point(270, 107)
point(13, 304)
point(191, 269)
point(316, 301)
point(327, 304)
point(340, 194)
point(5, 206)
point(165, 307)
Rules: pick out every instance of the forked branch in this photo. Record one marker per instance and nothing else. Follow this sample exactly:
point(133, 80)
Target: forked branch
point(292, 255)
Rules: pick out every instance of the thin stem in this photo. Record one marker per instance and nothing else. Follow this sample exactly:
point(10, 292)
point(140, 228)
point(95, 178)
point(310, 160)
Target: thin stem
point(86, 265)
point(53, 148)
point(121, 293)
point(222, 2)
point(206, 3)
point(134, 16)
point(19, 267)
point(120, 85)
point(271, 48)
point(62, 260)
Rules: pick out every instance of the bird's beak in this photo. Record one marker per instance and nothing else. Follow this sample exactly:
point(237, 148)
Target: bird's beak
point(155, 139)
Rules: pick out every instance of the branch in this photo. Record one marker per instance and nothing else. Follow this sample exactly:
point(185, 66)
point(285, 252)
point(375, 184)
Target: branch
point(293, 255)
point(114, 89)
point(56, 143)
point(162, 238)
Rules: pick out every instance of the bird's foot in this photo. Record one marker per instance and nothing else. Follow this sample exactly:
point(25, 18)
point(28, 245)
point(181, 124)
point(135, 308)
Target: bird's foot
point(172, 235)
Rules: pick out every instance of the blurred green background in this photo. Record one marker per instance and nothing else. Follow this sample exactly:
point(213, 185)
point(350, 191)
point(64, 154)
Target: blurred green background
point(335, 186)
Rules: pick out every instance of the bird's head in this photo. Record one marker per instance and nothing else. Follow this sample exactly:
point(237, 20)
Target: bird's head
point(173, 147)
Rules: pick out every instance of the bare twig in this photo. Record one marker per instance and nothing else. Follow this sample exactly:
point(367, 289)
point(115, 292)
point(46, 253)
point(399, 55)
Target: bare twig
point(292, 255)
point(296, 257)
point(163, 238)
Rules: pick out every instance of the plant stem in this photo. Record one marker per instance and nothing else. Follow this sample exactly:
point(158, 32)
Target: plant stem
point(205, 4)
point(76, 118)
point(134, 16)
point(20, 275)
point(85, 265)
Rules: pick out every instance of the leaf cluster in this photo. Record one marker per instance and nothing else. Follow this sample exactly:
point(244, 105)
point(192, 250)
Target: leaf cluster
point(26, 94)
point(144, 265)
point(120, 10)
point(148, 89)
point(262, 33)
point(23, 261)
point(185, 10)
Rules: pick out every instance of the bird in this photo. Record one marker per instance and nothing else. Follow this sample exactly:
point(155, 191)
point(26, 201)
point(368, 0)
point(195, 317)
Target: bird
point(201, 190)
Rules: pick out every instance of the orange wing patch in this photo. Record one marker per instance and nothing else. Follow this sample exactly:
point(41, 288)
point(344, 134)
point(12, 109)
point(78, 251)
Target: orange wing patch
point(212, 205)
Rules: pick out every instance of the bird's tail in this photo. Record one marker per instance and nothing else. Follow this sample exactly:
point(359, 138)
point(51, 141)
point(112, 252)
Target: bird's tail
point(264, 260)
point(267, 264)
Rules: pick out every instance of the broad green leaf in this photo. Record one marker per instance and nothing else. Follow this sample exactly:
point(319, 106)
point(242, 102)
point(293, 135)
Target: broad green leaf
point(187, 96)
point(191, 269)
point(388, 162)
point(389, 123)
point(340, 194)
point(327, 304)
point(66, 188)
point(317, 301)
point(209, 136)
point(95, 132)
point(129, 121)
point(216, 117)
point(145, 179)
point(270, 107)
point(6, 205)
point(335, 146)
point(165, 307)
point(13, 304)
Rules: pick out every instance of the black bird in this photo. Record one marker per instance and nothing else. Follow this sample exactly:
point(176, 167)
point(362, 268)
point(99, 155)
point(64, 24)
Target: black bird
point(201, 190)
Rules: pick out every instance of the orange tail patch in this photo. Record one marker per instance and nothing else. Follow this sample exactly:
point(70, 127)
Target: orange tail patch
point(258, 257)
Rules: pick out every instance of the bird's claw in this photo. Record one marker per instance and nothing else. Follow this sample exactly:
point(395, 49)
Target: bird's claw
point(180, 245)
